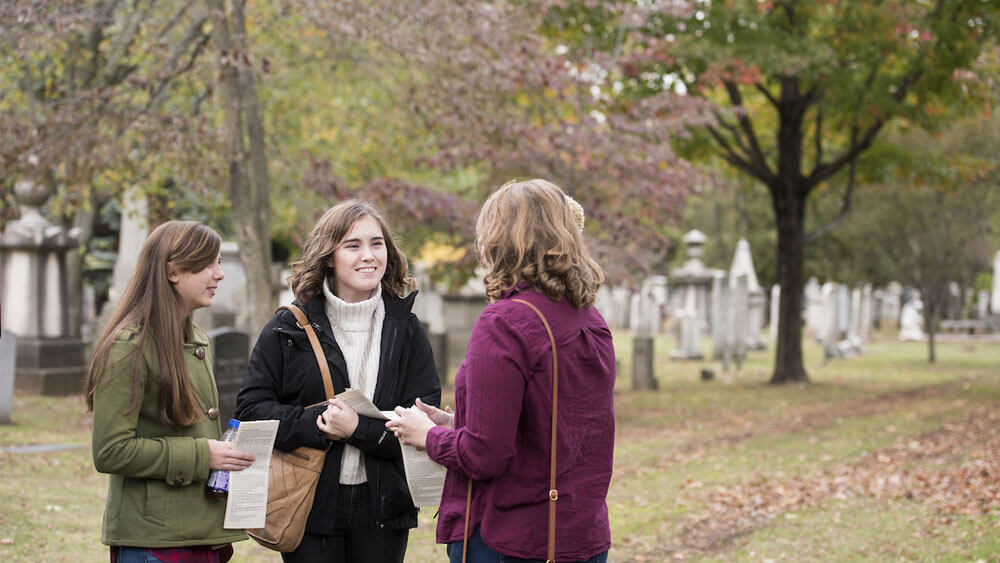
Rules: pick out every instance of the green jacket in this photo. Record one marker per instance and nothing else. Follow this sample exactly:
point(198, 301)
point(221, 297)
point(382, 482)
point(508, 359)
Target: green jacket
point(156, 488)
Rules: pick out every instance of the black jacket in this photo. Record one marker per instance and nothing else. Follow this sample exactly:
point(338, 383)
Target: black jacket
point(283, 376)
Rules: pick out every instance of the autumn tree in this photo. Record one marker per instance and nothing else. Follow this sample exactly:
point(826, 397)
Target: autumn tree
point(496, 95)
point(803, 89)
point(84, 102)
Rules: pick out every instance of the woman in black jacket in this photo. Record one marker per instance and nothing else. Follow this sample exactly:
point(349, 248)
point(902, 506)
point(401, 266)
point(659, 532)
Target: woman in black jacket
point(350, 283)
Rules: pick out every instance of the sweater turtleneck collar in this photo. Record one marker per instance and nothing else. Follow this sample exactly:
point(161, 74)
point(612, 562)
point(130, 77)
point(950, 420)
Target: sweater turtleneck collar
point(351, 317)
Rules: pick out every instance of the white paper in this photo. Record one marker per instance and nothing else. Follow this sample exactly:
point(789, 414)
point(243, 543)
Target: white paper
point(424, 476)
point(246, 504)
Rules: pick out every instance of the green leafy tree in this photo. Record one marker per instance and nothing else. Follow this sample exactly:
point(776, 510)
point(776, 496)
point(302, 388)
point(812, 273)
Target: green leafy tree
point(804, 89)
point(933, 222)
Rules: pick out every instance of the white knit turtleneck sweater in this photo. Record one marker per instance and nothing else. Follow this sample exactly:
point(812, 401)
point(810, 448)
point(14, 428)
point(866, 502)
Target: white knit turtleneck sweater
point(357, 327)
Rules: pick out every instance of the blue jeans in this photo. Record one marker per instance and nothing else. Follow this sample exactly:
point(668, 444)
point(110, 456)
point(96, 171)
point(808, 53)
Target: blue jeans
point(135, 555)
point(146, 555)
point(356, 538)
point(479, 552)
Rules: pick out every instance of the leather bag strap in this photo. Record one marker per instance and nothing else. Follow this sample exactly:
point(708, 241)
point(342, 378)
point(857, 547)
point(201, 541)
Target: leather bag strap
point(553, 492)
point(303, 322)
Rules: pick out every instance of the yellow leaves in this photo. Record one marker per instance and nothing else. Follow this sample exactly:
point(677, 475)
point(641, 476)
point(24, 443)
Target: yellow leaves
point(434, 253)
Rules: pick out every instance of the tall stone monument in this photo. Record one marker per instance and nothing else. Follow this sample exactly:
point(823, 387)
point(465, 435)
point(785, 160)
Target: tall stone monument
point(743, 266)
point(693, 281)
point(34, 295)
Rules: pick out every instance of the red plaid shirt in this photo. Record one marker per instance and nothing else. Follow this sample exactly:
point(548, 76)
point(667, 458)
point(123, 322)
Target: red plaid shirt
point(192, 554)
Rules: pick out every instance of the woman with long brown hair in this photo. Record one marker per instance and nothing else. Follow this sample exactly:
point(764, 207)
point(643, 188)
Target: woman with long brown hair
point(156, 407)
point(352, 284)
point(496, 446)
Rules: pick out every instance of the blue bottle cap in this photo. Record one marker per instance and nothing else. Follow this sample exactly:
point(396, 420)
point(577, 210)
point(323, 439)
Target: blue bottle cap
point(233, 423)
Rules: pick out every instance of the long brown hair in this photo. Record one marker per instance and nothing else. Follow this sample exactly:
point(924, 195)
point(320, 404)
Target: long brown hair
point(309, 272)
point(151, 304)
point(529, 231)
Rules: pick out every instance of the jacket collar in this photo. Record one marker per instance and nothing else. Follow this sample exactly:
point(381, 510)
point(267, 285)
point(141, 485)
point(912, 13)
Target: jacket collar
point(520, 287)
point(394, 306)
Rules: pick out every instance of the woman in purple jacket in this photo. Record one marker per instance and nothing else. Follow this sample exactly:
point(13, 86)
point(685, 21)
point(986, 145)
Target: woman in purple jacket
point(529, 241)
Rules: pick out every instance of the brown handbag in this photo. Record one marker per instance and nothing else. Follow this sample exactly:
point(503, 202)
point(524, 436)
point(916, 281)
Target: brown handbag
point(293, 475)
point(553, 492)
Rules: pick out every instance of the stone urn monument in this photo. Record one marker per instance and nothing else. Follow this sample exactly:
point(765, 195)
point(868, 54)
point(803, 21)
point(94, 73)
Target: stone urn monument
point(33, 293)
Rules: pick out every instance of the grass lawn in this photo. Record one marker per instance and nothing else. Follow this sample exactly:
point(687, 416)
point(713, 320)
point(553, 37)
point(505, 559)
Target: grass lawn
point(882, 457)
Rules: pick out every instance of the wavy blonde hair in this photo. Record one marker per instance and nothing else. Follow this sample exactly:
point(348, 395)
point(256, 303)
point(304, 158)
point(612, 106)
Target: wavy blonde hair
point(315, 266)
point(528, 231)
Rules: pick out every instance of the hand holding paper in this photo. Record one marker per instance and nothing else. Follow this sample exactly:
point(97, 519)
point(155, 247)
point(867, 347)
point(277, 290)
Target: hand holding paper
point(411, 427)
point(339, 420)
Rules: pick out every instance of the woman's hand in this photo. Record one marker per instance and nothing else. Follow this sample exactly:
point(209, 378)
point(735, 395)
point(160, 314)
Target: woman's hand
point(412, 425)
point(224, 455)
point(338, 421)
point(440, 417)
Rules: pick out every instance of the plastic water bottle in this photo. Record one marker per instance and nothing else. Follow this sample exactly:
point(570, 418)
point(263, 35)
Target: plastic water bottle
point(218, 479)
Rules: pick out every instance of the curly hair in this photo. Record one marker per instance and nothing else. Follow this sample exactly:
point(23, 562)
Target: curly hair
point(316, 263)
point(529, 231)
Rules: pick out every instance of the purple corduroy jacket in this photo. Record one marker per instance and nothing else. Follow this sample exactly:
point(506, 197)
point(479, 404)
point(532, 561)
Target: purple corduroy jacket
point(502, 435)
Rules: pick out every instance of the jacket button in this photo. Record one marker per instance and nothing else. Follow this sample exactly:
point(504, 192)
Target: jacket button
point(213, 413)
point(179, 479)
point(199, 352)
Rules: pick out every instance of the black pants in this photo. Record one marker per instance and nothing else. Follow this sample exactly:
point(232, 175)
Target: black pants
point(356, 538)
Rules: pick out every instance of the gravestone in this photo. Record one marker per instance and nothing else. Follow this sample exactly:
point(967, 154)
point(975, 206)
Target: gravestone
point(983, 304)
point(688, 329)
point(890, 307)
point(867, 308)
point(830, 334)
point(8, 359)
point(738, 322)
point(742, 265)
point(620, 297)
point(428, 307)
point(720, 304)
point(911, 321)
point(851, 344)
point(35, 296)
point(460, 314)
point(645, 325)
point(643, 378)
point(230, 353)
point(604, 303)
point(815, 309)
point(843, 311)
point(692, 279)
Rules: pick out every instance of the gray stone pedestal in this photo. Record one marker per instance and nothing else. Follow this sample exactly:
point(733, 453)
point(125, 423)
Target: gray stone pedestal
point(34, 295)
point(643, 378)
point(8, 355)
point(50, 366)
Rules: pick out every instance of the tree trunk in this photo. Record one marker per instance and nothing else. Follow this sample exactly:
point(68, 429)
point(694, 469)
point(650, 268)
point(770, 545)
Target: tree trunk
point(931, 324)
point(788, 366)
point(789, 193)
point(249, 186)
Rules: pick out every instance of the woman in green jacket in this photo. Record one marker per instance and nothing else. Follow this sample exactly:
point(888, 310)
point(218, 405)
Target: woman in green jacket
point(156, 407)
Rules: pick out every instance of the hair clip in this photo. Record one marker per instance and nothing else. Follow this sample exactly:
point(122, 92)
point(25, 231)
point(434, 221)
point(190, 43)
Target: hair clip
point(577, 210)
